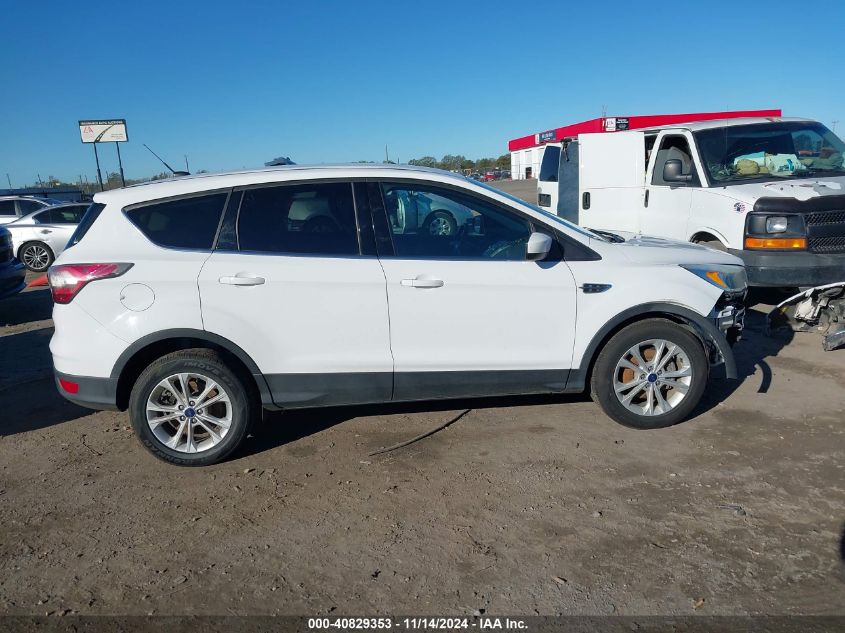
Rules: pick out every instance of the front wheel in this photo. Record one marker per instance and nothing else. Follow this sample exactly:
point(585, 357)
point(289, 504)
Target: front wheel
point(650, 375)
point(189, 408)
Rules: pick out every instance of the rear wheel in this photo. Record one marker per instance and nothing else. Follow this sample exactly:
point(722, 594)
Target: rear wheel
point(650, 375)
point(36, 256)
point(189, 408)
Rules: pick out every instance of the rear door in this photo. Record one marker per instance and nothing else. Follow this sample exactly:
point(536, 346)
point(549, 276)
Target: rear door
point(464, 306)
point(547, 180)
point(290, 284)
point(612, 168)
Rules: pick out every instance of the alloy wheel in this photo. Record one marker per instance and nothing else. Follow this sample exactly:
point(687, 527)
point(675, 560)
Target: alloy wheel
point(189, 412)
point(653, 377)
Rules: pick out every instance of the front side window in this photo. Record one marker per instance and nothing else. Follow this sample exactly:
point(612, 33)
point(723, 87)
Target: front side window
point(441, 223)
point(770, 151)
point(66, 215)
point(307, 219)
point(184, 223)
point(674, 148)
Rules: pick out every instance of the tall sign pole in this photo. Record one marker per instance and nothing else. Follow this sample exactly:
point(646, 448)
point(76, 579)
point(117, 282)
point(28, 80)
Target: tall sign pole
point(99, 175)
point(98, 131)
point(119, 162)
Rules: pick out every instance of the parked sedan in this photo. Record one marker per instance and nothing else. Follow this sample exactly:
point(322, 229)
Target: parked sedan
point(39, 237)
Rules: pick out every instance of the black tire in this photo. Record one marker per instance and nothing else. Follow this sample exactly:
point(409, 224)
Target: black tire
point(716, 245)
point(442, 220)
point(207, 363)
point(602, 379)
point(42, 249)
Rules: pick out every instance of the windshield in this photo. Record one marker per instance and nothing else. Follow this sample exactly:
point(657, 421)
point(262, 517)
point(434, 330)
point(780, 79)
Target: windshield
point(547, 214)
point(770, 151)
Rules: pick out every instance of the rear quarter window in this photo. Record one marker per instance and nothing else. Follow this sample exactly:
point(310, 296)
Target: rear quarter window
point(185, 223)
point(87, 221)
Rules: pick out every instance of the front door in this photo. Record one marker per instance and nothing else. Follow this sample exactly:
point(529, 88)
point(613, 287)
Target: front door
point(667, 209)
point(287, 283)
point(465, 302)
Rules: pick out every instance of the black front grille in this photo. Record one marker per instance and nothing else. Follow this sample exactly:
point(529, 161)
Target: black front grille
point(827, 244)
point(825, 217)
point(826, 231)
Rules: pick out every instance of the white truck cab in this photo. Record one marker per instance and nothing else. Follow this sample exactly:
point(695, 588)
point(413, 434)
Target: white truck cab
point(769, 190)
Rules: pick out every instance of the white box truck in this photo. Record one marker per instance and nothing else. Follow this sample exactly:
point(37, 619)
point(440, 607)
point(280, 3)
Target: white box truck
point(770, 190)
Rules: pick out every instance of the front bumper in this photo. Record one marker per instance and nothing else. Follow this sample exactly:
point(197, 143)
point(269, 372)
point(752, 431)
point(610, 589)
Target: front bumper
point(12, 278)
point(87, 391)
point(782, 269)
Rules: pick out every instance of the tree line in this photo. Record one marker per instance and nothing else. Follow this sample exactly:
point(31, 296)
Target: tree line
point(457, 162)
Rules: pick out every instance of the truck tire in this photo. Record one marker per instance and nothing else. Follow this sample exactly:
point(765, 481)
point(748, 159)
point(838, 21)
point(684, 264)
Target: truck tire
point(650, 375)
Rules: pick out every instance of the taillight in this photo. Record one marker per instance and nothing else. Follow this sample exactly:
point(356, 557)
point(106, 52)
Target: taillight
point(66, 280)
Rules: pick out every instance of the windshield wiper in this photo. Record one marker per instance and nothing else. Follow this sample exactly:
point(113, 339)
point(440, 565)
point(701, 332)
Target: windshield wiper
point(610, 237)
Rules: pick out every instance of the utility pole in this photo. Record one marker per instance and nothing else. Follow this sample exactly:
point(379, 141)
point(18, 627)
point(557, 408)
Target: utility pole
point(386, 157)
point(40, 184)
point(835, 123)
point(187, 169)
point(9, 180)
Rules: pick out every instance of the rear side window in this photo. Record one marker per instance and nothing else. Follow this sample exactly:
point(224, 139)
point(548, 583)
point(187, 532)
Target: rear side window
point(551, 161)
point(7, 207)
point(91, 214)
point(308, 219)
point(28, 206)
point(185, 223)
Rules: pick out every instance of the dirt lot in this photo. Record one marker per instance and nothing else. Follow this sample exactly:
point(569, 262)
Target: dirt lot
point(523, 506)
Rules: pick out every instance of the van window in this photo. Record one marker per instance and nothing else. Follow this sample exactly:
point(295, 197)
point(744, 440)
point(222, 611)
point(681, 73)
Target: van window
point(551, 162)
point(310, 219)
point(430, 222)
point(674, 148)
point(184, 223)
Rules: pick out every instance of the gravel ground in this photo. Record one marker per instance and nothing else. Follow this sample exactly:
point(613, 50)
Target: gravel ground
point(522, 506)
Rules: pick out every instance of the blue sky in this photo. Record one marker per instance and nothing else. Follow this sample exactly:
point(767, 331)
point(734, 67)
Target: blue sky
point(233, 84)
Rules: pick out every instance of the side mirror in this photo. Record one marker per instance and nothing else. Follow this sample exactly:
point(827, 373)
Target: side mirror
point(539, 245)
point(673, 171)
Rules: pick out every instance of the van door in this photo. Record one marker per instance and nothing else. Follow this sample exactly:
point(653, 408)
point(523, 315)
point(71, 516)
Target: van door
point(547, 183)
point(612, 169)
point(667, 206)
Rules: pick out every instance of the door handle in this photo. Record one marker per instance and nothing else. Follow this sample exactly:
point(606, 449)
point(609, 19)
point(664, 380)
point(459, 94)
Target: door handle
point(242, 279)
point(45, 231)
point(422, 282)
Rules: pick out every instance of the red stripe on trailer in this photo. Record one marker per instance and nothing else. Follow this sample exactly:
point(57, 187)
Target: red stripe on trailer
point(635, 123)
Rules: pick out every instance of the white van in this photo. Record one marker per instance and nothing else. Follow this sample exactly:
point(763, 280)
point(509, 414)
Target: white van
point(769, 190)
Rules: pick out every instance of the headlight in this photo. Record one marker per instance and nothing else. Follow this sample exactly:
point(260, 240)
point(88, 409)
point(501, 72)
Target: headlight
point(725, 277)
point(776, 224)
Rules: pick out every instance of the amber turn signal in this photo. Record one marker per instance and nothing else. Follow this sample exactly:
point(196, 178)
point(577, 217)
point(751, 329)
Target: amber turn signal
point(790, 243)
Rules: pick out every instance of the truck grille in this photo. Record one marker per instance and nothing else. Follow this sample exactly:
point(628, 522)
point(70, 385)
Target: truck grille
point(826, 231)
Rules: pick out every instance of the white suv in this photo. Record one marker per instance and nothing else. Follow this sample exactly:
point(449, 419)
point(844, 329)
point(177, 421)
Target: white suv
point(193, 302)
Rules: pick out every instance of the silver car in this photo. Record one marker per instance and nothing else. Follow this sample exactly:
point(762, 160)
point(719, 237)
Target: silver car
point(40, 236)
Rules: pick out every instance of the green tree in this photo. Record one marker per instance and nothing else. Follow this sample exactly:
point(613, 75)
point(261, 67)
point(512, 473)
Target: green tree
point(425, 161)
